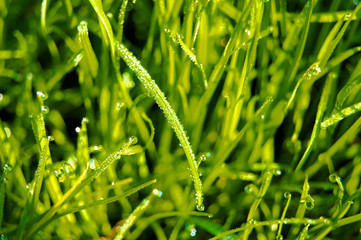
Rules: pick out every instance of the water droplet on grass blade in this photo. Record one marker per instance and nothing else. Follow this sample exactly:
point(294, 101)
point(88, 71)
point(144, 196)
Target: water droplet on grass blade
point(200, 207)
point(309, 202)
point(7, 168)
point(287, 195)
point(157, 193)
point(77, 129)
point(50, 138)
point(44, 109)
point(252, 222)
point(92, 164)
point(85, 120)
point(333, 177)
point(42, 95)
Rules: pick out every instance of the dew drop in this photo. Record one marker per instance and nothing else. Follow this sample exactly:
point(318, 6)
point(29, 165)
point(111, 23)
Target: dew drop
point(1, 97)
point(85, 120)
point(252, 222)
point(274, 227)
point(333, 177)
point(277, 172)
point(356, 2)
point(287, 195)
point(7, 132)
point(77, 129)
point(77, 59)
point(193, 232)
point(248, 188)
point(44, 109)
point(157, 193)
point(3, 237)
point(29, 76)
point(132, 140)
point(309, 203)
point(42, 95)
point(7, 168)
point(50, 138)
point(308, 4)
point(200, 207)
point(92, 163)
point(347, 16)
point(60, 174)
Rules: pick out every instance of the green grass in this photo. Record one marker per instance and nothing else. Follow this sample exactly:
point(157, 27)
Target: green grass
point(180, 119)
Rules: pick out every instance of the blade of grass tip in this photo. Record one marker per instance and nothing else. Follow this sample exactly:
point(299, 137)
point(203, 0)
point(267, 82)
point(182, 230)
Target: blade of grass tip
point(121, 17)
point(267, 178)
point(136, 214)
point(153, 90)
point(88, 50)
point(288, 196)
point(301, 209)
point(334, 178)
point(319, 116)
point(332, 45)
point(176, 38)
point(346, 91)
point(152, 130)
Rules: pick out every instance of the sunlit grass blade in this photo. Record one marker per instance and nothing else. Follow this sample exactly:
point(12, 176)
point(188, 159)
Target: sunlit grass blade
point(89, 54)
point(177, 38)
point(340, 115)
point(121, 20)
point(169, 113)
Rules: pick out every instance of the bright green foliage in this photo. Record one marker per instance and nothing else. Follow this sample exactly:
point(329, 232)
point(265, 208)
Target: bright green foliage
point(180, 119)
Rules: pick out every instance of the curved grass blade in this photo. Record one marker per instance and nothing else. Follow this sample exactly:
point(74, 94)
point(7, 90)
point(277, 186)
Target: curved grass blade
point(338, 116)
point(177, 38)
point(319, 116)
point(346, 91)
point(169, 113)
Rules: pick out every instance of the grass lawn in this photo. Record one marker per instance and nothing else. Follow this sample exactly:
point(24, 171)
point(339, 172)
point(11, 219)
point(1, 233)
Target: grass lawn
point(187, 119)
